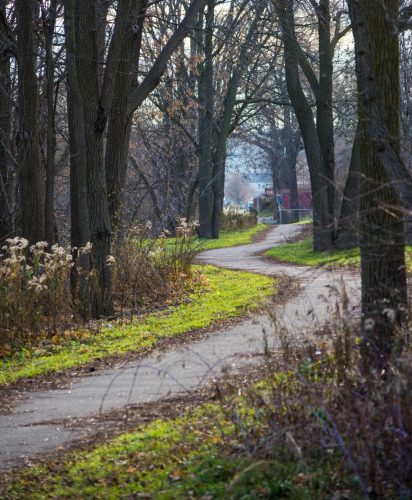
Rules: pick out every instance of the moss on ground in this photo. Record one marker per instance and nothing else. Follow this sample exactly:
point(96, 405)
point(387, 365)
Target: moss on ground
point(230, 294)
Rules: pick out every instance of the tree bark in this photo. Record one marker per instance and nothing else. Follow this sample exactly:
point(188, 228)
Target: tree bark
point(347, 235)
point(31, 175)
point(94, 118)
point(322, 229)
point(79, 208)
point(49, 216)
point(384, 288)
point(291, 141)
point(6, 157)
point(220, 154)
point(117, 146)
point(206, 129)
point(324, 111)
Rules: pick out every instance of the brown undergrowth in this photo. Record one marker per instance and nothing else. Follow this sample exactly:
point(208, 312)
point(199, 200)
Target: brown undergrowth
point(321, 408)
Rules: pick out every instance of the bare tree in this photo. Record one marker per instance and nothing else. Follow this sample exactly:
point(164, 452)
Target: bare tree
point(238, 189)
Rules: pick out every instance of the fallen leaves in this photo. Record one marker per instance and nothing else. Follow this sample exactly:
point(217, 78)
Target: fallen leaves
point(177, 475)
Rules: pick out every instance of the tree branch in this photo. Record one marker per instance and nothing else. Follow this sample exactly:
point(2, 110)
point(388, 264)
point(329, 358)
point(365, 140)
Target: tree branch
point(153, 77)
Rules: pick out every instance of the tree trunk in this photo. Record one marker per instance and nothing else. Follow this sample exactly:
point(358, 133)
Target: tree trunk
point(119, 139)
point(348, 228)
point(322, 229)
point(79, 209)
point(291, 141)
point(206, 129)
point(384, 290)
point(220, 153)
point(6, 158)
point(31, 175)
point(94, 118)
point(119, 127)
point(324, 111)
point(219, 159)
point(49, 217)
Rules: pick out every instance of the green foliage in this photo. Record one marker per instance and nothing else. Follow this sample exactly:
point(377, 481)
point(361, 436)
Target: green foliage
point(230, 294)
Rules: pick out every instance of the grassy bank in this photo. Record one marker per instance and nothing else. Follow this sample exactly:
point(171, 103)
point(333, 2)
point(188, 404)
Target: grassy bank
point(302, 432)
point(202, 454)
point(232, 238)
point(229, 294)
point(226, 239)
point(301, 252)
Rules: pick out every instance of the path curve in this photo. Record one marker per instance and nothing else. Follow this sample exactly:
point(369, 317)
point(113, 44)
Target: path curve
point(30, 430)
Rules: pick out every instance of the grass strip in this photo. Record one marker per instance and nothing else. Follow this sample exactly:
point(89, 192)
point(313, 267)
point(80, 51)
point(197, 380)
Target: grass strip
point(301, 252)
point(230, 294)
point(233, 238)
point(226, 239)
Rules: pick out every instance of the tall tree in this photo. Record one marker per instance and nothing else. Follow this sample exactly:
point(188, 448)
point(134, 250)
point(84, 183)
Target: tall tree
point(322, 225)
point(7, 167)
point(206, 130)
point(31, 178)
point(79, 208)
point(93, 94)
point(49, 22)
point(220, 109)
point(386, 184)
point(138, 92)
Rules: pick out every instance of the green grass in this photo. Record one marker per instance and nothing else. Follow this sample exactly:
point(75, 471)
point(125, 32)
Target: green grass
point(227, 239)
point(301, 252)
point(233, 238)
point(197, 455)
point(230, 294)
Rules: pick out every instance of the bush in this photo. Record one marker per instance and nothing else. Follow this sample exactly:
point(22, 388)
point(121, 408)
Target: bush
point(153, 271)
point(35, 294)
point(234, 219)
point(34, 290)
point(351, 433)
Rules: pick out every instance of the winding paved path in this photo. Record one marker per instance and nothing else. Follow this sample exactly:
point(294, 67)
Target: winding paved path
point(30, 428)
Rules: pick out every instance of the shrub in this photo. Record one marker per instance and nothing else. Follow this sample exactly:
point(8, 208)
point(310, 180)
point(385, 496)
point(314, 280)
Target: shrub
point(234, 219)
point(351, 433)
point(33, 290)
point(153, 271)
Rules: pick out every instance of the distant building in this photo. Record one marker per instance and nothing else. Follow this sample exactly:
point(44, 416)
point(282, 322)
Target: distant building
point(304, 197)
point(259, 181)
